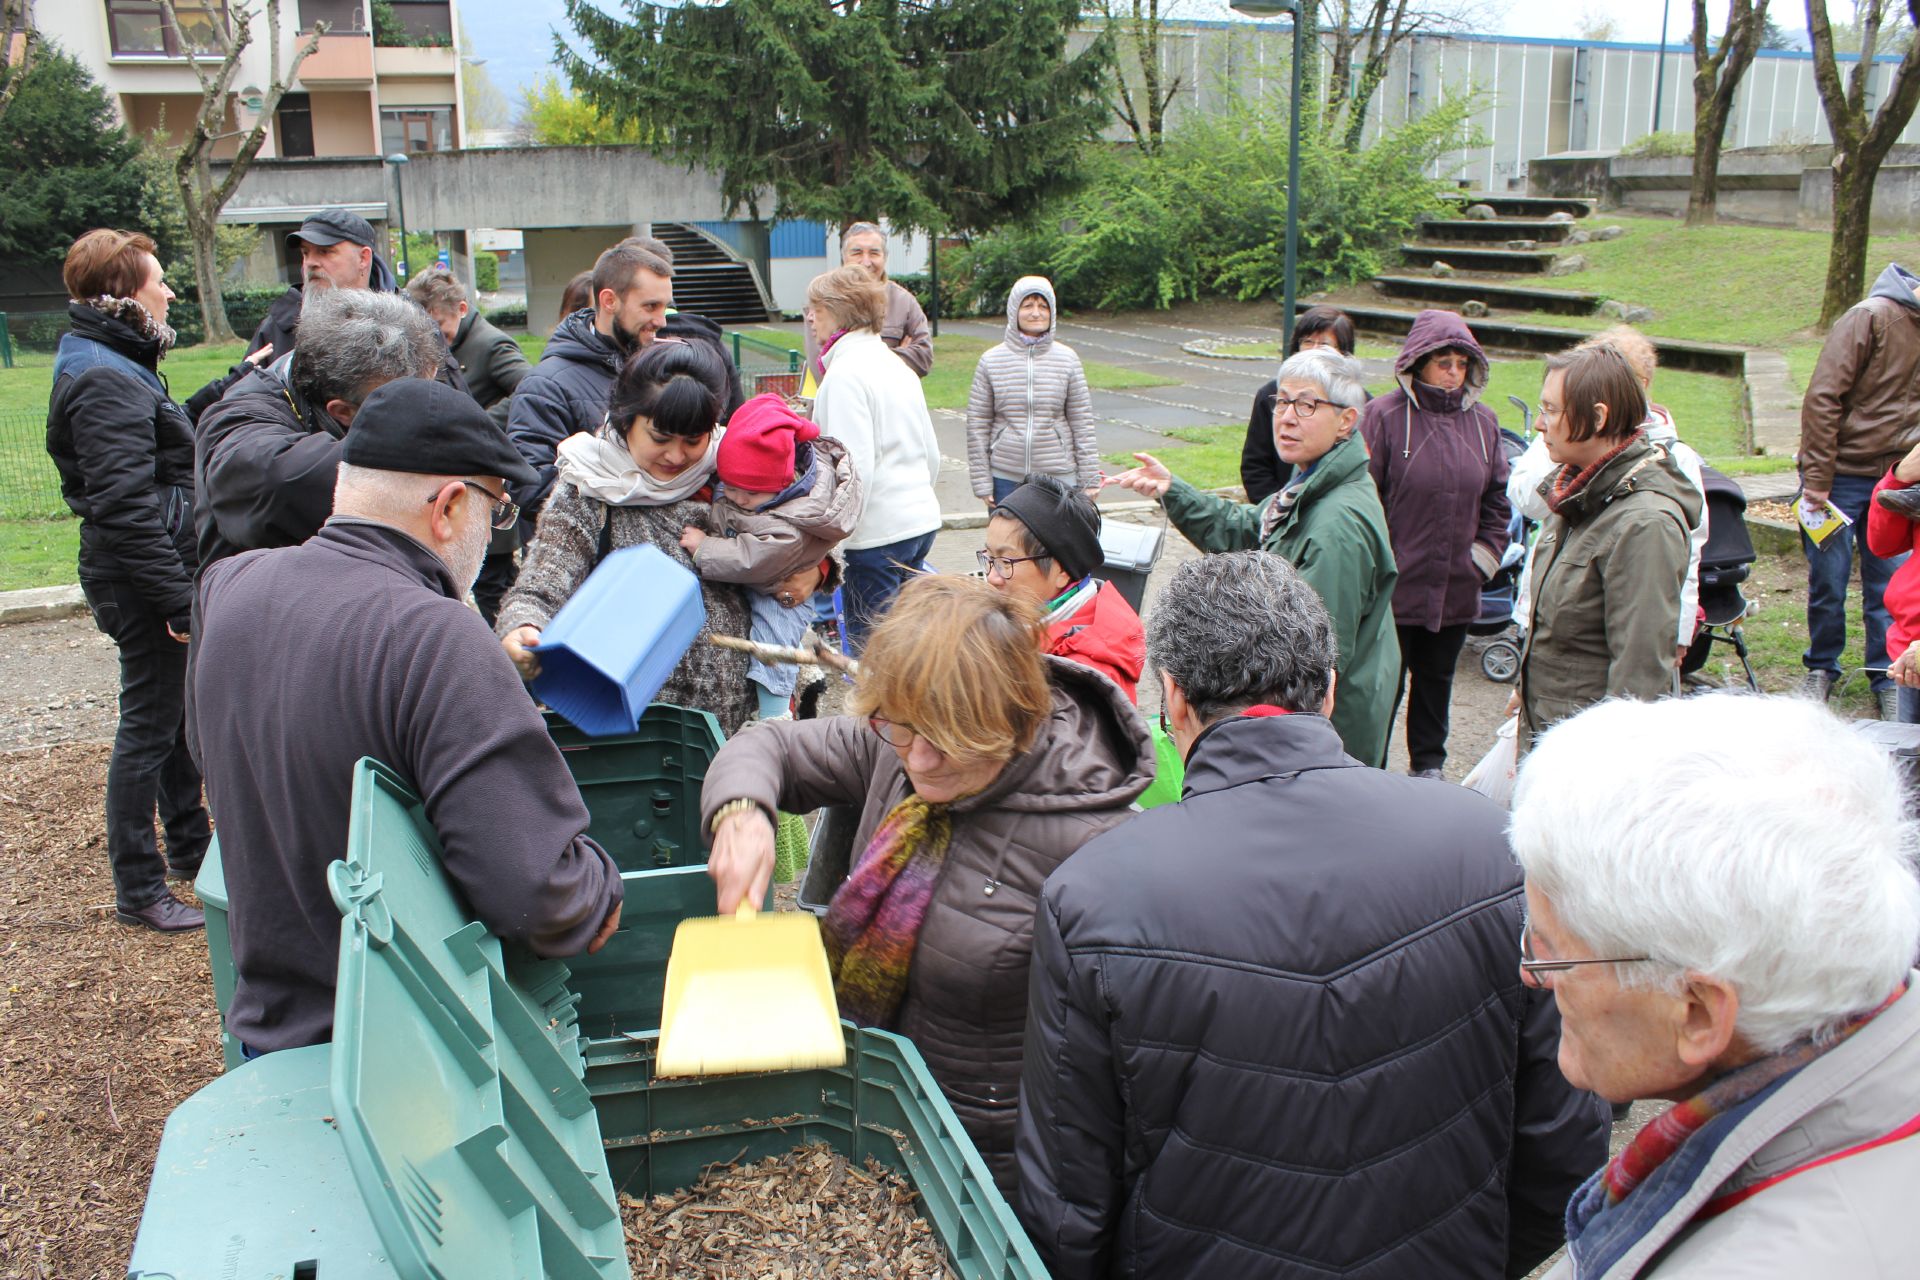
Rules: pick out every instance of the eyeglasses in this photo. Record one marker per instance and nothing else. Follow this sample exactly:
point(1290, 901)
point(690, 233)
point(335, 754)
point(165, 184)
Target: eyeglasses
point(1529, 967)
point(894, 734)
point(503, 512)
point(1305, 406)
point(1003, 565)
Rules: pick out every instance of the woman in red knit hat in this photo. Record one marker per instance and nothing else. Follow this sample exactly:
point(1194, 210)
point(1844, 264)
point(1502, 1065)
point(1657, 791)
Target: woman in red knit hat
point(787, 496)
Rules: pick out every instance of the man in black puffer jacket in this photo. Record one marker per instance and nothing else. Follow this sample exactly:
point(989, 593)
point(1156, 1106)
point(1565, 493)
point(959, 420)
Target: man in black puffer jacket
point(1278, 1029)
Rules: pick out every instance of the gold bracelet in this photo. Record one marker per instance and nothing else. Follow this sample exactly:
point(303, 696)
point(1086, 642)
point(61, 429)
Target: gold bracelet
point(730, 808)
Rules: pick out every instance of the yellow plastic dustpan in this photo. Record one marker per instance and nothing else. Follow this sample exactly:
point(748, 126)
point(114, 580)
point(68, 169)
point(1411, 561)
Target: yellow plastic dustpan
point(748, 992)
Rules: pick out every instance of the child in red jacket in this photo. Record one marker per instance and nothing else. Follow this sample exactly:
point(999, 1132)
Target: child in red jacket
point(1891, 531)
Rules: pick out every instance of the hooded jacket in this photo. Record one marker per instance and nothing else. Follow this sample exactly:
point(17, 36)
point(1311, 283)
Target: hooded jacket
point(1335, 534)
point(1029, 411)
point(1443, 478)
point(265, 463)
point(566, 392)
point(1607, 573)
point(1862, 409)
point(1817, 1180)
point(872, 404)
point(1278, 1030)
point(799, 527)
point(491, 362)
point(124, 451)
point(1890, 535)
point(966, 1001)
point(1106, 634)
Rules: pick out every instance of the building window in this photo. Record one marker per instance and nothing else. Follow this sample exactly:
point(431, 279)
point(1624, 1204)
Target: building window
point(295, 118)
point(413, 129)
point(141, 26)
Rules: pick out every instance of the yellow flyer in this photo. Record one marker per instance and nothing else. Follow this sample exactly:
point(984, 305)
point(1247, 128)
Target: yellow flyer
point(1819, 519)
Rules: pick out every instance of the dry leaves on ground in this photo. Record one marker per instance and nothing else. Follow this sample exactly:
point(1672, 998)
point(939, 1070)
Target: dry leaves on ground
point(804, 1215)
point(108, 1028)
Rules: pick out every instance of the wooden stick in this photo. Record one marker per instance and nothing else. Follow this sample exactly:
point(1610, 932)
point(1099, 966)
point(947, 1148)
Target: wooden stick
point(774, 653)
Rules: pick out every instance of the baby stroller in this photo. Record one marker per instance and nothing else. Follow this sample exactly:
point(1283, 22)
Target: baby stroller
point(1725, 563)
point(1500, 660)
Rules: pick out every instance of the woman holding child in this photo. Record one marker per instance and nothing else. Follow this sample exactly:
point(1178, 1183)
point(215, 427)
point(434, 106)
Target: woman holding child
point(644, 477)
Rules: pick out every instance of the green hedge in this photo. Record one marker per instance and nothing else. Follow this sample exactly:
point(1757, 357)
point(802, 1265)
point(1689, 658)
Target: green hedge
point(246, 308)
point(486, 272)
point(509, 317)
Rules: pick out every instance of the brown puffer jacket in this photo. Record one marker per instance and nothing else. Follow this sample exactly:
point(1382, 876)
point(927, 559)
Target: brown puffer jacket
point(799, 528)
point(966, 1002)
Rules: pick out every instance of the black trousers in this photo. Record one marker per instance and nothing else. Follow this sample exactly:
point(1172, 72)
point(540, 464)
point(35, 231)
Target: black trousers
point(497, 573)
point(1428, 657)
point(151, 769)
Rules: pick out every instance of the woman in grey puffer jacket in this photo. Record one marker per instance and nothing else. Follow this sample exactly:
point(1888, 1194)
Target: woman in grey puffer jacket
point(1029, 412)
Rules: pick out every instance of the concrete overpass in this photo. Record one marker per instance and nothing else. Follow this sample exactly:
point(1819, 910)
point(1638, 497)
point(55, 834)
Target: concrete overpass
point(570, 202)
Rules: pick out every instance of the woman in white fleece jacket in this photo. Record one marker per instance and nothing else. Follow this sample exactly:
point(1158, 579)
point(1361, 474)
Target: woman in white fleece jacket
point(871, 403)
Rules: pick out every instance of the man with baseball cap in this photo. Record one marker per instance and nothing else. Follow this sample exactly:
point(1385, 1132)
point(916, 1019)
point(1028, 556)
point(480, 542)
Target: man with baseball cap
point(336, 252)
point(1043, 542)
point(356, 643)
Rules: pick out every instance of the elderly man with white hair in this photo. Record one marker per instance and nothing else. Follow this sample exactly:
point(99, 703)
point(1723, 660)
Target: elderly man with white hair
point(1721, 897)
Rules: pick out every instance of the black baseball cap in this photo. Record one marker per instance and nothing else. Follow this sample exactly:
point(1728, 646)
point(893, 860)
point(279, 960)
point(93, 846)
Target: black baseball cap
point(331, 226)
point(426, 427)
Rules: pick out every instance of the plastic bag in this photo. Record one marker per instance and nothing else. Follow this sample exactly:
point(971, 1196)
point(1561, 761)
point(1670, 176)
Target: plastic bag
point(1493, 776)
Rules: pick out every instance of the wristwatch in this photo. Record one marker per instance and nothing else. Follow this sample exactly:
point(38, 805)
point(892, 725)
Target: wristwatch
point(730, 808)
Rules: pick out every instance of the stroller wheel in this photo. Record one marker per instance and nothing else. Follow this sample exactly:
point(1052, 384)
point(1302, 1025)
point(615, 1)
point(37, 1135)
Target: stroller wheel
point(1500, 662)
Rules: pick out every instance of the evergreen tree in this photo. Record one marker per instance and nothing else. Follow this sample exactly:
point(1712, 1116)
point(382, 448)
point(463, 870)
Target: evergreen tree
point(68, 160)
point(950, 115)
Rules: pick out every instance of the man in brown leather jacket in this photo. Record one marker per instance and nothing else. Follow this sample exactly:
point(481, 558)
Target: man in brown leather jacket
point(1861, 415)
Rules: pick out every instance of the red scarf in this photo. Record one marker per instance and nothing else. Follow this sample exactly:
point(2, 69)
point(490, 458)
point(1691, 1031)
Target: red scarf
point(1567, 482)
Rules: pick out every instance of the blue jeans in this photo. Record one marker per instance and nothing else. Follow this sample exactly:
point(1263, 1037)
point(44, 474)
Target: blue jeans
point(1001, 488)
point(1829, 567)
point(874, 577)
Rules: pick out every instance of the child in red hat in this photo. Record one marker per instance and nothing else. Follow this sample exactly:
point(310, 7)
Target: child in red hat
point(787, 496)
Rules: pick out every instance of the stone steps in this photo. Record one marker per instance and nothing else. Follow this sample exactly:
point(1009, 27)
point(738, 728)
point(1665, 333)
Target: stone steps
point(1499, 230)
point(1535, 339)
point(1511, 297)
point(1487, 261)
point(1514, 206)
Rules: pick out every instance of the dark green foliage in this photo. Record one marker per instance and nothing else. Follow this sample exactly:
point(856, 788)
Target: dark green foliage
point(1207, 214)
point(246, 308)
point(69, 164)
point(953, 115)
point(513, 316)
point(486, 272)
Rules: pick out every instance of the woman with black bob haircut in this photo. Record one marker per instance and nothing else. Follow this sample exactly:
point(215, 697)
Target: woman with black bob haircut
point(1261, 471)
point(645, 475)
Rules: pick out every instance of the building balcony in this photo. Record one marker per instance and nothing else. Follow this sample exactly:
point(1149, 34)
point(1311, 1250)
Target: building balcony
point(341, 61)
point(415, 63)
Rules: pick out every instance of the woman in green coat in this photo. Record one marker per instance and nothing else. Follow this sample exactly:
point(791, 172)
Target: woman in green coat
point(1326, 520)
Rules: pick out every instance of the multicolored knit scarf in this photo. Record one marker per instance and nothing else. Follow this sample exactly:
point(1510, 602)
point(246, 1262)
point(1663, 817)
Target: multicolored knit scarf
point(1665, 1134)
point(1567, 481)
point(873, 922)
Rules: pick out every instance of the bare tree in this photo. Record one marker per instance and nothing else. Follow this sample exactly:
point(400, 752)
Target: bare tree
point(1364, 36)
point(202, 197)
point(1715, 78)
point(1860, 143)
point(17, 41)
point(1137, 26)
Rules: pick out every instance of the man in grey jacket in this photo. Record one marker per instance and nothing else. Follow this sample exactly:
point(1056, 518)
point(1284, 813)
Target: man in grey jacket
point(905, 329)
point(1278, 1029)
point(356, 644)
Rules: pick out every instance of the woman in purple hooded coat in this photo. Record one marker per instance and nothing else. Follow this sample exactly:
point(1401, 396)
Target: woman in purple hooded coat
point(1436, 457)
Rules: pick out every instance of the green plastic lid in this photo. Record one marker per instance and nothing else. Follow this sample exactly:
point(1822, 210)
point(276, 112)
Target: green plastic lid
point(457, 1077)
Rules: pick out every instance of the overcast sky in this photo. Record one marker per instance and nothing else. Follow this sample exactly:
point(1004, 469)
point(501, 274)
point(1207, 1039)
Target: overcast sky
point(513, 35)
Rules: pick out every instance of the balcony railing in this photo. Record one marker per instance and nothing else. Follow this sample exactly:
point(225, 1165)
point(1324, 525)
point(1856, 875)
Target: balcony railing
point(419, 23)
point(343, 17)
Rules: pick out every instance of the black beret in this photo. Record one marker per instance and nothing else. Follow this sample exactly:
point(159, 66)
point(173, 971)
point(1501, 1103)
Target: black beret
point(331, 226)
point(424, 426)
point(1065, 523)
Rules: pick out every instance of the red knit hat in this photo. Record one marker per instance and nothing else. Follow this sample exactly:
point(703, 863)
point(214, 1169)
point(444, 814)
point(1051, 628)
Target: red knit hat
point(756, 453)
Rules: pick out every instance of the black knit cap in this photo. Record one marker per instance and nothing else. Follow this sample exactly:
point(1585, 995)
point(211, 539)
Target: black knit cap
point(426, 427)
point(331, 226)
point(1063, 522)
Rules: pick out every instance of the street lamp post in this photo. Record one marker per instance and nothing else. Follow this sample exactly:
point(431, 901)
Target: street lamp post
point(1273, 9)
point(399, 161)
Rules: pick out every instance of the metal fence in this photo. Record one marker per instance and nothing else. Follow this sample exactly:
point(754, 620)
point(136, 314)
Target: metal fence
point(29, 486)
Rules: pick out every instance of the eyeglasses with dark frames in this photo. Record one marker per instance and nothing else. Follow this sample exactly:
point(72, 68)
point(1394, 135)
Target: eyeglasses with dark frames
point(503, 512)
point(1534, 968)
point(1304, 406)
point(990, 563)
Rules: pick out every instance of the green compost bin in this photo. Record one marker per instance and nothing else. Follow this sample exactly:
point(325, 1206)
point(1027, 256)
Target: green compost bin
point(642, 792)
point(463, 1125)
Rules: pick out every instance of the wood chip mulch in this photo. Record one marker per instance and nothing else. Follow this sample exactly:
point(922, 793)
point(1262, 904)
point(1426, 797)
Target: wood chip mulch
point(108, 1028)
point(806, 1215)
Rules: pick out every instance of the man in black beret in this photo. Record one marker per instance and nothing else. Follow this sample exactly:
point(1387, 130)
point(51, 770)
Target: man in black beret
point(357, 643)
point(1043, 542)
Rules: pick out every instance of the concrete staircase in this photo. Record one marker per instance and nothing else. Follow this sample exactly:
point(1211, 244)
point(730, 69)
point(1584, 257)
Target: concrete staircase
point(711, 280)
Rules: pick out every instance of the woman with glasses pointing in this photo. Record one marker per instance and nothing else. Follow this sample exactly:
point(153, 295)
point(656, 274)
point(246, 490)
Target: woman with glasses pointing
point(977, 764)
point(1326, 520)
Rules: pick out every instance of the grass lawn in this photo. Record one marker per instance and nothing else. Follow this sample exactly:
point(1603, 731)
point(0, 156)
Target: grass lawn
point(1271, 350)
point(38, 553)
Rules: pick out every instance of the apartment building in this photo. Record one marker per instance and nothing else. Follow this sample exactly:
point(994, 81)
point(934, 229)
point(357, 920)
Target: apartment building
point(385, 77)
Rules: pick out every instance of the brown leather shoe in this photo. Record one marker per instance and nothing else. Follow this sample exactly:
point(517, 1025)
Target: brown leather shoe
point(168, 915)
point(1904, 503)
